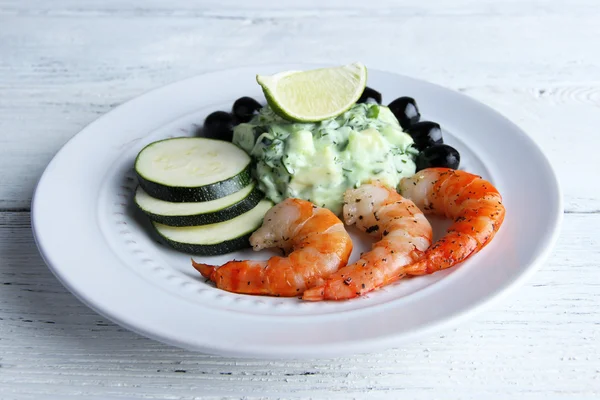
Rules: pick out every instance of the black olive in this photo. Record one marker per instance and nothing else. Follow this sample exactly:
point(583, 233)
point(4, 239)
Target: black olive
point(425, 134)
point(406, 111)
point(245, 108)
point(218, 125)
point(438, 156)
point(370, 94)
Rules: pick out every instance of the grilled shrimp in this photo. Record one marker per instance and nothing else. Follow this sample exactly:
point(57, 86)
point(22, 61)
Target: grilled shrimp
point(314, 238)
point(404, 233)
point(472, 202)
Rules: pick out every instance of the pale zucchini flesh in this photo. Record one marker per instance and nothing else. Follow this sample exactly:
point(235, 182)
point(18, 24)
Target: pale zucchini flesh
point(214, 239)
point(191, 169)
point(198, 213)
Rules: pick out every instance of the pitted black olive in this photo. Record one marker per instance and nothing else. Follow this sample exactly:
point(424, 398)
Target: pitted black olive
point(245, 108)
point(219, 125)
point(425, 134)
point(370, 93)
point(406, 111)
point(438, 156)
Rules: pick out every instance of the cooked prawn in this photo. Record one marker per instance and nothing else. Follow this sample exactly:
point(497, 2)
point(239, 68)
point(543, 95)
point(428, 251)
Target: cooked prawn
point(404, 233)
point(472, 202)
point(317, 243)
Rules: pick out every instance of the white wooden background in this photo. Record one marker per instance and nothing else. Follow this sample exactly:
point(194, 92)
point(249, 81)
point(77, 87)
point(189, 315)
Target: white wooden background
point(65, 62)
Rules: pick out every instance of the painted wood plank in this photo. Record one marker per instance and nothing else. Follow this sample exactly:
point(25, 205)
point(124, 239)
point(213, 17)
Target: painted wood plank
point(296, 8)
point(60, 71)
point(64, 63)
point(541, 342)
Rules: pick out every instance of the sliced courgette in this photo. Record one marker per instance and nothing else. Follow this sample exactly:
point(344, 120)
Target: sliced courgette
point(220, 238)
point(198, 213)
point(190, 169)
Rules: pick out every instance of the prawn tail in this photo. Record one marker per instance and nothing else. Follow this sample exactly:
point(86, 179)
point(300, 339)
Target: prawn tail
point(447, 252)
point(205, 269)
point(334, 289)
point(422, 267)
point(314, 294)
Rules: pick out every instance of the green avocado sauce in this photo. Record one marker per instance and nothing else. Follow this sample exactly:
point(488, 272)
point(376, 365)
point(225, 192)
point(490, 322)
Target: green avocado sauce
point(319, 161)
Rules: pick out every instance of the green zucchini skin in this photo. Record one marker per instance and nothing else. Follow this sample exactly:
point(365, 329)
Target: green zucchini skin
point(228, 246)
point(221, 238)
point(227, 213)
point(213, 191)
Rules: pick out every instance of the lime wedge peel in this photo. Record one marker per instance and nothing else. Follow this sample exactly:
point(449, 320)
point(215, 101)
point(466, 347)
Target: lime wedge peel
point(315, 95)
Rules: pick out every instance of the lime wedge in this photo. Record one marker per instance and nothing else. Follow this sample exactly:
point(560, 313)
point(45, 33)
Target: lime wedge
point(315, 95)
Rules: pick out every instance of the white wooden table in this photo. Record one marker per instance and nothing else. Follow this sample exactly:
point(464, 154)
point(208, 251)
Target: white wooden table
point(63, 63)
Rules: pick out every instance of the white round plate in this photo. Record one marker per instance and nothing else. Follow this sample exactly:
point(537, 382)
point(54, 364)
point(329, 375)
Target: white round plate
point(99, 247)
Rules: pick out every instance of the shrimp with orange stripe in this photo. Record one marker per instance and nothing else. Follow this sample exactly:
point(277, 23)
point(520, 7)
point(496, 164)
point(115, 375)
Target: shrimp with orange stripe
point(473, 203)
point(404, 235)
point(314, 238)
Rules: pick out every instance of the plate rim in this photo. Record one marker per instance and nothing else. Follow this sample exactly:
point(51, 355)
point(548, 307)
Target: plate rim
point(298, 351)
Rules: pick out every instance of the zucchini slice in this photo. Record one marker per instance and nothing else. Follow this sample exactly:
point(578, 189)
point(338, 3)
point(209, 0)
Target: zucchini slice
point(189, 169)
point(198, 213)
point(220, 238)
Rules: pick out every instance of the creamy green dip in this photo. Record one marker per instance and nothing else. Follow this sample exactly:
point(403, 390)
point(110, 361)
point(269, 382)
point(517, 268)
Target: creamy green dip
point(319, 161)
